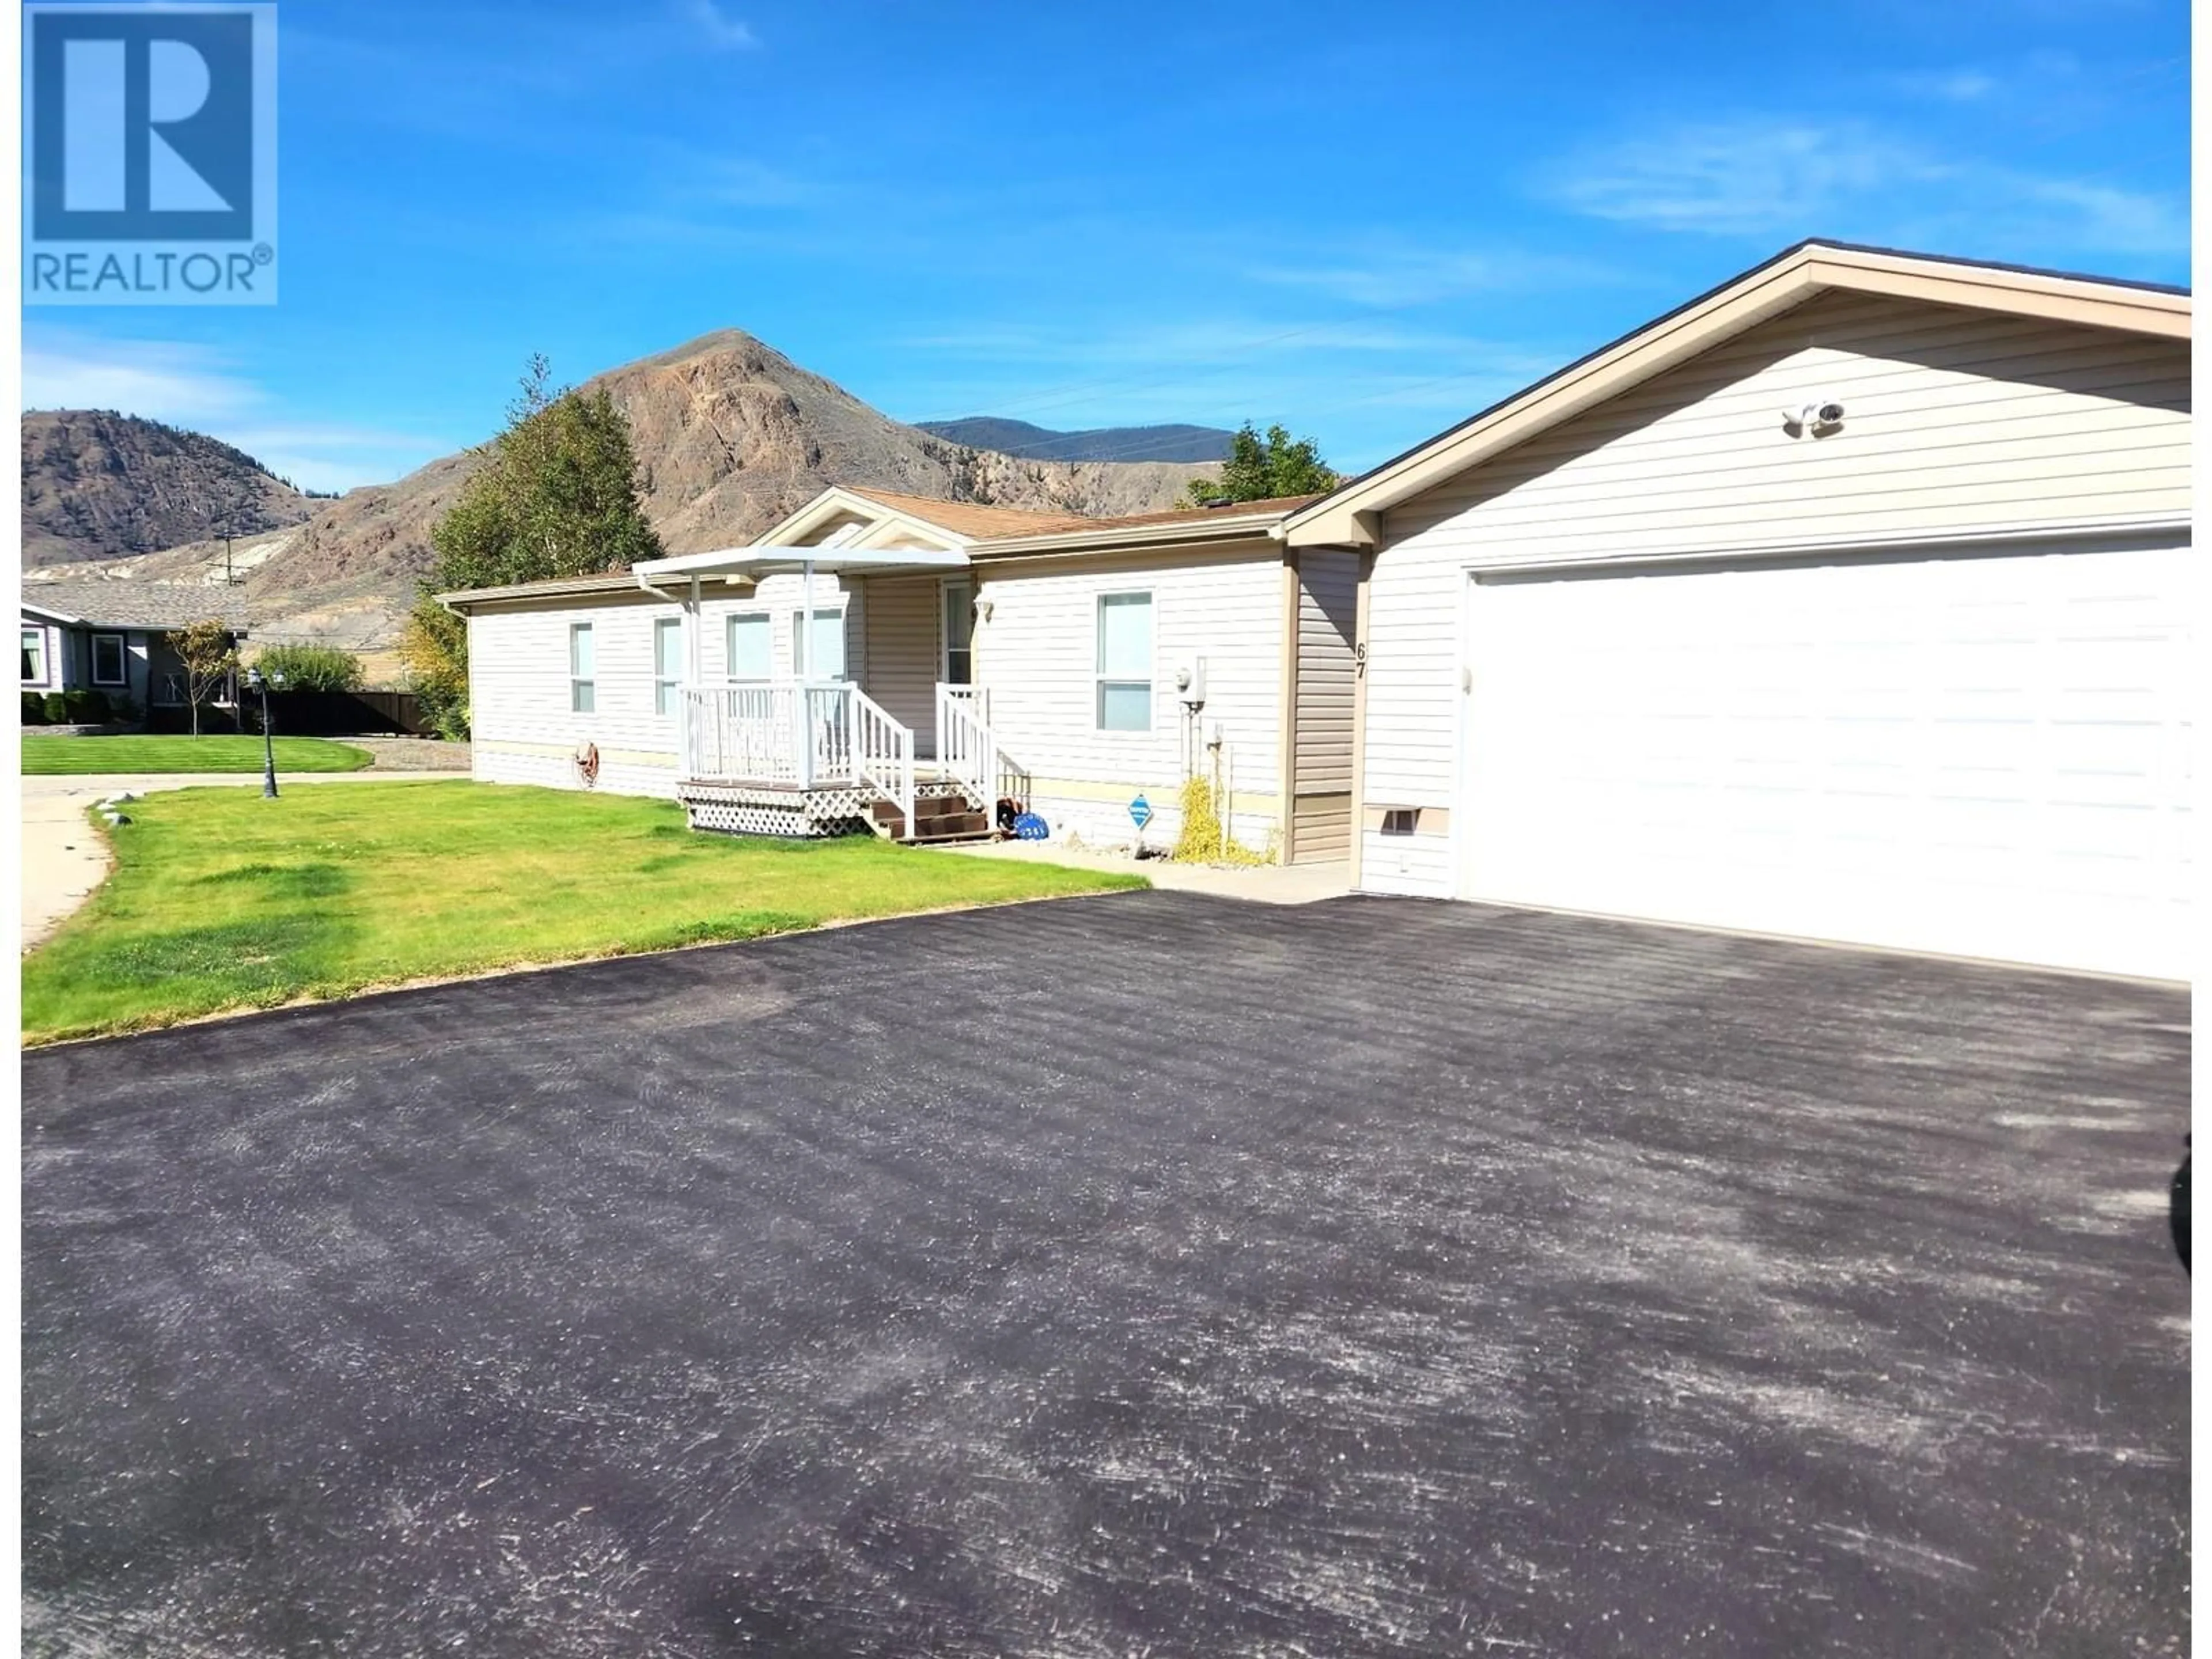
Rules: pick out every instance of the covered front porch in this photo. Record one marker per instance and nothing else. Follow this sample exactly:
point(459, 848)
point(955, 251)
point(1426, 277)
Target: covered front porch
point(802, 719)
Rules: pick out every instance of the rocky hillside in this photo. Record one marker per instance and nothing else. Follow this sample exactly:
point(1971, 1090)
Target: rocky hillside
point(1095, 443)
point(98, 485)
point(731, 435)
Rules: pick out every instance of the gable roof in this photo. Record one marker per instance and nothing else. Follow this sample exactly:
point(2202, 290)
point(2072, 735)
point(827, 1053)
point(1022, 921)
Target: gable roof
point(1230, 522)
point(1347, 515)
point(132, 604)
point(965, 519)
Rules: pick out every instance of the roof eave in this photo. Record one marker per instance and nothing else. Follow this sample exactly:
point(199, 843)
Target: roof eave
point(1228, 527)
point(460, 600)
point(1346, 516)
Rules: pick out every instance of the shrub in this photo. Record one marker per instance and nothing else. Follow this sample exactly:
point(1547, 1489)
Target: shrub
point(312, 667)
point(86, 707)
point(35, 709)
point(1203, 837)
point(57, 709)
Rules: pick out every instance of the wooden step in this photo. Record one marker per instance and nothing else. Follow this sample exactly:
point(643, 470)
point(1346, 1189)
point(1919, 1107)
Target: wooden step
point(925, 806)
point(934, 825)
point(950, 837)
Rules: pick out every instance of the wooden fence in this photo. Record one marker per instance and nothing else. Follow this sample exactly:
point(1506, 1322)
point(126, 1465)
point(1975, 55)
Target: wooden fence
point(307, 714)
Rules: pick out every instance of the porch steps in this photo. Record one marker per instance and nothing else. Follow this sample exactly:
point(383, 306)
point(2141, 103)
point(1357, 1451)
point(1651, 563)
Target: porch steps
point(938, 819)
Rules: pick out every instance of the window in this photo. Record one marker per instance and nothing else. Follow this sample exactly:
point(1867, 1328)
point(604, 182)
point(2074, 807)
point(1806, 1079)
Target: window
point(667, 663)
point(959, 633)
point(752, 647)
point(108, 666)
point(35, 656)
point(820, 656)
point(1125, 662)
point(583, 686)
point(1400, 820)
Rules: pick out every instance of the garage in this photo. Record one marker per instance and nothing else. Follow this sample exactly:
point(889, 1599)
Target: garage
point(1851, 601)
point(1981, 752)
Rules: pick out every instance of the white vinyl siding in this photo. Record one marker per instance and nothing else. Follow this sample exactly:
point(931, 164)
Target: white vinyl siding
point(1037, 657)
point(1956, 423)
point(524, 727)
point(583, 676)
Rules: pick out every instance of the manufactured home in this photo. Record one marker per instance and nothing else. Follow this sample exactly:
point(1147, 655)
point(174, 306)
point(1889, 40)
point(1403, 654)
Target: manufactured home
point(1851, 601)
point(917, 666)
point(112, 637)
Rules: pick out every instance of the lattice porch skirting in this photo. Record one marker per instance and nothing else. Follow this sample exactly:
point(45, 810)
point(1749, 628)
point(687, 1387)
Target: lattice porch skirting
point(736, 809)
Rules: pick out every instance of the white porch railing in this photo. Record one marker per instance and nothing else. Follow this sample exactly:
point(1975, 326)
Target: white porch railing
point(797, 734)
point(977, 698)
point(967, 753)
point(883, 754)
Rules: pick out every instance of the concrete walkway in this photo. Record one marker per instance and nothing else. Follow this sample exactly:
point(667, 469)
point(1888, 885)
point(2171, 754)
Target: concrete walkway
point(1264, 883)
point(65, 858)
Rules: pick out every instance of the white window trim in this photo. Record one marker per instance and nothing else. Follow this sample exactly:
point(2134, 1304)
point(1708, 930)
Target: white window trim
point(746, 613)
point(946, 590)
point(578, 682)
point(122, 654)
point(666, 703)
point(837, 607)
point(1100, 679)
point(45, 655)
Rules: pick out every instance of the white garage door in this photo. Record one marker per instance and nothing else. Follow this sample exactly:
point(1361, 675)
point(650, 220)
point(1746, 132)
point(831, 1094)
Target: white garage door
point(1983, 756)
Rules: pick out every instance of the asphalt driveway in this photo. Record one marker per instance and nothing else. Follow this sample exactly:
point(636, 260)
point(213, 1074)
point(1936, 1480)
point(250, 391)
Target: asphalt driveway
point(1146, 1273)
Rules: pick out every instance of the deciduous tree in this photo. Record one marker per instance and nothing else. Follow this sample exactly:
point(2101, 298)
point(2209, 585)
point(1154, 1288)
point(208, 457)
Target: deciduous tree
point(209, 654)
point(555, 495)
point(1261, 469)
point(312, 667)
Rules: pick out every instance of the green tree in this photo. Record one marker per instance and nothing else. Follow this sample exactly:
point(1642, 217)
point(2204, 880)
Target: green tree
point(1261, 469)
point(553, 494)
point(208, 653)
point(312, 667)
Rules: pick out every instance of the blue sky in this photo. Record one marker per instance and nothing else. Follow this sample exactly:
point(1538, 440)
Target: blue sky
point(1364, 222)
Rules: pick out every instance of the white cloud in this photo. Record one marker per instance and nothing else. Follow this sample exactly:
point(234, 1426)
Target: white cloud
point(161, 382)
point(191, 386)
point(1789, 178)
point(1964, 85)
point(1401, 275)
point(1746, 176)
point(722, 34)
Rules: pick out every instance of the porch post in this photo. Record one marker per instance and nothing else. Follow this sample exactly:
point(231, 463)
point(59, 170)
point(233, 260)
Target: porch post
point(690, 697)
point(805, 662)
point(803, 670)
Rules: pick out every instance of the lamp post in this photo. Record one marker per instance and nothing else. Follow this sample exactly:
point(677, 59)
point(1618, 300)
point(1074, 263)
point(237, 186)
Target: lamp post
point(256, 681)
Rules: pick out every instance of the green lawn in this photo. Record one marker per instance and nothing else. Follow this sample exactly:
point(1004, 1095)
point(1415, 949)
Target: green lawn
point(223, 900)
point(46, 755)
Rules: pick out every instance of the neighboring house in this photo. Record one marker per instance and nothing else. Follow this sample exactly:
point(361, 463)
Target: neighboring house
point(1849, 600)
point(111, 637)
point(958, 656)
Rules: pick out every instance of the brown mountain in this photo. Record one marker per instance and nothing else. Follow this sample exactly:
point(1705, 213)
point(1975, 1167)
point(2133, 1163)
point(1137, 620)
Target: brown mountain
point(97, 484)
point(731, 435)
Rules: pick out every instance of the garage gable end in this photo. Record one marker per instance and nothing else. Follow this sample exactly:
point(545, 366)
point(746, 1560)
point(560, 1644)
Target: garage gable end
point(1352, 514)
point(1851, 419)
